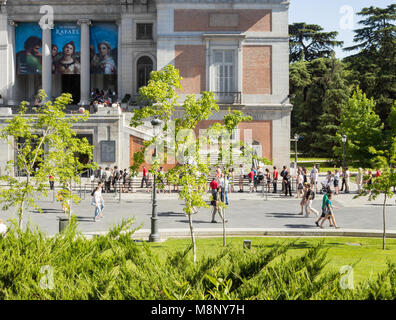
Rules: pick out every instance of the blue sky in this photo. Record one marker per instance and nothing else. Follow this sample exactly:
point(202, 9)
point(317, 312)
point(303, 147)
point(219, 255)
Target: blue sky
point(333, 15)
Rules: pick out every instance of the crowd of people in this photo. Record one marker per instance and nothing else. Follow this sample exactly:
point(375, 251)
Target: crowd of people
point(223, 183)
point(105, 98)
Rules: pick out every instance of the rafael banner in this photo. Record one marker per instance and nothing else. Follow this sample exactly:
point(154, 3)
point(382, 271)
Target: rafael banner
point(66, 48)
point(103, 48)
point(28, 48)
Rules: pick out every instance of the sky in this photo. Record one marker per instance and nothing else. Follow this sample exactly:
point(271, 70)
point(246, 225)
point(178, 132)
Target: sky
point(333, 15)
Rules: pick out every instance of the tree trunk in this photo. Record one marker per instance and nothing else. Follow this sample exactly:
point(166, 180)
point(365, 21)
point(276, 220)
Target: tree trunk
point(192, 237)
point(224, 230)
point(70, 200)
point(20, 214)
point(384, 220)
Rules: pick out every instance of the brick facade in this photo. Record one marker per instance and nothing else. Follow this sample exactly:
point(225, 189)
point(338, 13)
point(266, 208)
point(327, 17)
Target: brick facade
point(222, 20)
point(257, 70)
point(261, 132)
point(191, 62)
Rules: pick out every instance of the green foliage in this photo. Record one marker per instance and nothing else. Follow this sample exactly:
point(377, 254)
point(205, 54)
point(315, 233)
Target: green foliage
point(113, 267)
point(137, 161)
point(309, 42)
point(319, 91)
point(45, 144)
point(363, 129)
point(373, 67)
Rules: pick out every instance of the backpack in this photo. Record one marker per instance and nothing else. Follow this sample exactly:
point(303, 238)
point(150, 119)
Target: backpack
point(312, 194)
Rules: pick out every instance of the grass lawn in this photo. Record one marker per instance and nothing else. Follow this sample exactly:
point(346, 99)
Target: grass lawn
point(342, 251)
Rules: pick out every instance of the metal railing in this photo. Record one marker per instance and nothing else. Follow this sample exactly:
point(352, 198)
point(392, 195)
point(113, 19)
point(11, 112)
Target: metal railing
point(228, 97)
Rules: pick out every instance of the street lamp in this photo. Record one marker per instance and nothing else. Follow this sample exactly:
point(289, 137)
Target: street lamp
point(344, 140)
point(154, 235)
point(296, 137)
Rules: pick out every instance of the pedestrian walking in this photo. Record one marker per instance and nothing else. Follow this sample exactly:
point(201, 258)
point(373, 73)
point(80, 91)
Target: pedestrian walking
point(241, 174)
point(314, 178)
point(216, 206)
point(282, 174)
point(144, 179)
point(225, 186)
point(324, 209)
point(343, 179)
point(347, 179)
point(108, 177)
point(309, 197)
point(287, 181)
point(268, 179)
point(251, 180)
point(51, 182)
point(336, 181)
point(329, 213)
point(275, 179)
point(303, 199)
point(96, 201)
point(300, 183)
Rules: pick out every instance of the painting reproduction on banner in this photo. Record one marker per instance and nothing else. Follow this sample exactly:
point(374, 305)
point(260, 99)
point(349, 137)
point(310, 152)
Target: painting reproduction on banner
point(66, 49)
point(103, 48)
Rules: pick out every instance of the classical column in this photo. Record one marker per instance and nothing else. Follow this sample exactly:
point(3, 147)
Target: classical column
point(11, 63)
point(85, 61)
point(119, 62)
point(46, 75)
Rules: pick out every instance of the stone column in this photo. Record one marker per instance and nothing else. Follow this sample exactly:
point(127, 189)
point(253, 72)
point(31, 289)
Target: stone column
point(11, 63)
point(119, 62)
point(46, 76)
point(85, 61)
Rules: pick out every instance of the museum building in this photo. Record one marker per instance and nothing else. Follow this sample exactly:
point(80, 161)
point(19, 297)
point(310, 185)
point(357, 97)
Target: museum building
point(237, 49)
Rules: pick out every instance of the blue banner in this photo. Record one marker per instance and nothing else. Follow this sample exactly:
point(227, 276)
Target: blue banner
point(103, 48)
point(28, 44)
point(66, 48)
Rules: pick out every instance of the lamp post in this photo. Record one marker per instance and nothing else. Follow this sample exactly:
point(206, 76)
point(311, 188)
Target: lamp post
point(296, 137)
point(344, 140)
point(154, 235)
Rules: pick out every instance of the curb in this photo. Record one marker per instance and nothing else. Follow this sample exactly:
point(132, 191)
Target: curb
point(143, 234)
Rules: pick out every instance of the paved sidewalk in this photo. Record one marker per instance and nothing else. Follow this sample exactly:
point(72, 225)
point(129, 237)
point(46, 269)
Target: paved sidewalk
point(249, 214)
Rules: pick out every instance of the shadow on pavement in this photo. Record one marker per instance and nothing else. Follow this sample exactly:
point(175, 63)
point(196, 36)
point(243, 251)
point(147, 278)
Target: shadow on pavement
point(195, 221)
point(301, 226)
point(170, 214)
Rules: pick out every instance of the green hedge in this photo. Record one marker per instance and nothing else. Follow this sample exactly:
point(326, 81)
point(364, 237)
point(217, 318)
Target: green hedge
point(116, 267)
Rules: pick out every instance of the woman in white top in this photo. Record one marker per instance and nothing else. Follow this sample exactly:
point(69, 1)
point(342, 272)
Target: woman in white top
point(97, 202)
point(300, 183)
point(241, 177)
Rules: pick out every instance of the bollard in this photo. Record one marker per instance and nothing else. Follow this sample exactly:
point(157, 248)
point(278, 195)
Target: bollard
point(63, 223)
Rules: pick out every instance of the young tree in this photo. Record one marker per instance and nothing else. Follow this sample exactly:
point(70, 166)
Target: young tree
point(363, 129)
point(309, 42)
point(45, 144)
point(385, 182)
point(162, 104)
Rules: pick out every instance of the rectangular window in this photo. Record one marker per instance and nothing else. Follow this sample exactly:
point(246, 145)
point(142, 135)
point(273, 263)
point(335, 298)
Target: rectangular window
point(144, 31)
point(224, 71)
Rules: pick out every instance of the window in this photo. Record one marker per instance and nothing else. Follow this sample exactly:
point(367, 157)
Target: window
point(224, 71)
point(144, 68)
point(144, 31)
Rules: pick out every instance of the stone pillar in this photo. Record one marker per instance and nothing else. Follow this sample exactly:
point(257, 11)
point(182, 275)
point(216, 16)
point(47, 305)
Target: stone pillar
point(119, 62)
point(85, 61)
point(46, 76)
point(11, 63)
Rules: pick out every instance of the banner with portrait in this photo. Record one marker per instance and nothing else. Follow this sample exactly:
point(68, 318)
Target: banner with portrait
point(28, 43)
point(103, 48)
point(65, 48)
